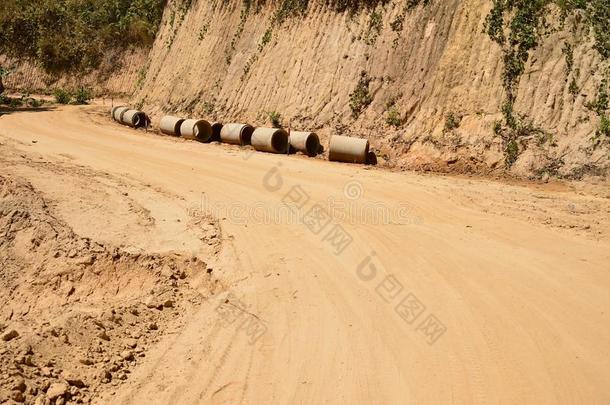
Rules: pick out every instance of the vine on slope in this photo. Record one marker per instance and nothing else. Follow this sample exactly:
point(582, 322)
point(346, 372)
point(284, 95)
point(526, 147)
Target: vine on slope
point(518, 26)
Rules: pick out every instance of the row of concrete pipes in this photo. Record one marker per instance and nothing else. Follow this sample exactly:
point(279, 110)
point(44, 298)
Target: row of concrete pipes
point(132, 118)
point(273, 140)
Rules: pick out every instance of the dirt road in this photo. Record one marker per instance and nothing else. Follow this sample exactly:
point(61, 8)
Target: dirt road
point(344, 284)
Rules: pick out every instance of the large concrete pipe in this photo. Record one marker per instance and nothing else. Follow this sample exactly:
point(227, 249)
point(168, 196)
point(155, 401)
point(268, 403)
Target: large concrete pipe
point(117, 113)
point(134, 118)
point(306, 142)
point(199, 130)
point(349, 150)
point(274, 140)
point(113, 110)
point(237, 134)
point(170, 125)
point(216, 128)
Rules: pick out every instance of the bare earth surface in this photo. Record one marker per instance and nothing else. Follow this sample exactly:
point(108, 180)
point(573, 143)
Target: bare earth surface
point(143, 269)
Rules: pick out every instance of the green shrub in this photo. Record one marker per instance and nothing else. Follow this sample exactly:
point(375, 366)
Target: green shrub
point(602, 100)
point(15, 102)
point(275, 119)
point(452, 121)
point(209, 107)
point(497, 128)
point(142, 76)
point(604, 127)
point(35, 103)
point(374, 28)
point(393, 117)
point(82, 96)
point(511, 152)
point(398, 23)
point(62, 96)
point(360, 98)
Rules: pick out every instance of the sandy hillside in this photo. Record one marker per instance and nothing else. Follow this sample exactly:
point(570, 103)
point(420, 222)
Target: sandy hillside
point(142, 269)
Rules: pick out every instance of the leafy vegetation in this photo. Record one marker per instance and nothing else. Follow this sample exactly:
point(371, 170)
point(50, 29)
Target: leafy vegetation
point(600, 107)
point(601, 103)
point(295, 8)
point(209, 107)
point(393, 118)
point(142, 75)
point(74, 35)
point(604, 127)
point(398, 23)
point(178, 12)
point(573, 88)
point(360, 98)
point(203, 31)
point(517, 26)
point(62, 96)
point(25, 99)
point(275, 119)
point(243, 17)
point(452, 121)
point(82, 95)
point(374, 28)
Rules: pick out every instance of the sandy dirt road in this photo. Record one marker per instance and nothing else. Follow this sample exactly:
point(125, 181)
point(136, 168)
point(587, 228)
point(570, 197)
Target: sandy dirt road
point(407, 289)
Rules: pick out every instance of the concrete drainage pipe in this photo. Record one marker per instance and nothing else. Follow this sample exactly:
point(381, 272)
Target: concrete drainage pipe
point(305, 142)
point(236, 134)
point(273, 140)
point(199, 130)
point(113, 111)
point(170, 125)
point(348, 150)
point(117, 113)
point(134, 118)
point(216, 128)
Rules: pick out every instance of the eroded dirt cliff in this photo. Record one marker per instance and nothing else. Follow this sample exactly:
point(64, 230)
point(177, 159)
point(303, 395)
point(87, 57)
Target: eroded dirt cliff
point(423, 81)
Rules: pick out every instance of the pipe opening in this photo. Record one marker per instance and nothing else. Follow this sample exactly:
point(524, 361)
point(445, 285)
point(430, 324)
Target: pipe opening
point(203, 131)
point(371, 158)
point(144, 120)
point(279, 141)
point(246, 135)
point(312, 145)
point(216, 128)
point(177, 127)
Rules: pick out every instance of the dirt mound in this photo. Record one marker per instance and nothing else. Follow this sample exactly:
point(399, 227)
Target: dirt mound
point(78, 314)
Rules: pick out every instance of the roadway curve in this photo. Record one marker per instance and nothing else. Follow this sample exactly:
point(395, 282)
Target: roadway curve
point(522, 307)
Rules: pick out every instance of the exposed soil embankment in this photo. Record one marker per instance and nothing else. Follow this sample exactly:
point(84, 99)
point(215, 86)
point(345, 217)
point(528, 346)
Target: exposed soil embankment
point(423, 81)
point(78, 314)
point(425, 84)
